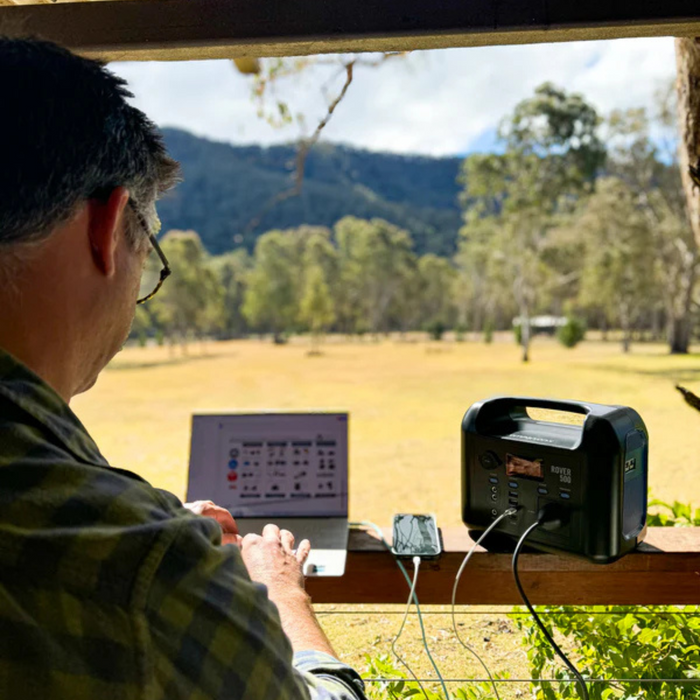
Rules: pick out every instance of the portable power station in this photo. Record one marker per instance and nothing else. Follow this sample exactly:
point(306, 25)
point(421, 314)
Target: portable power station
point(595, 474)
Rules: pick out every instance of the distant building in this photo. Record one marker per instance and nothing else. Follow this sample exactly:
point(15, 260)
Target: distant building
point(542, 325)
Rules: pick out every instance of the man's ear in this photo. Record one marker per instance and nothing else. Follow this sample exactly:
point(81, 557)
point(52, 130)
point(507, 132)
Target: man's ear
point(105, 225)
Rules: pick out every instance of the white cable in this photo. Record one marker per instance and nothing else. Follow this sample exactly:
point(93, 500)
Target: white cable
point(465, 561)
point(416, 565)
point(414, 597)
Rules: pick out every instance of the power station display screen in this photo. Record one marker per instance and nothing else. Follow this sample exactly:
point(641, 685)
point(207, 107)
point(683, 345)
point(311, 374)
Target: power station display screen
point(527, 468)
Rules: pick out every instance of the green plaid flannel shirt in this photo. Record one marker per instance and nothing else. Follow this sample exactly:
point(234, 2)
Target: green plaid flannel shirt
point(111, 590)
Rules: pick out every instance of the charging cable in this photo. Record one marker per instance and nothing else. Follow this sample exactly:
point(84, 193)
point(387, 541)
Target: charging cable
point(412, 597)
point(465, 561)
point(544, 518)
point(416, 565)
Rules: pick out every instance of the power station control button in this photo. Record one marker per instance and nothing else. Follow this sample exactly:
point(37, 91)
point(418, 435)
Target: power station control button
point(565, 495)
point(513, 484)
point(489, 460)
point(493, 479)
point(542, 490)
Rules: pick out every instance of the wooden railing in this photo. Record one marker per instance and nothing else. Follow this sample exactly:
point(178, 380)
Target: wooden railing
point(664, 570)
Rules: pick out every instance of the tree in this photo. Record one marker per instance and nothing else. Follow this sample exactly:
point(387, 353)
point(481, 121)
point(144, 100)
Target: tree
point(376, 275)
point(232, 271)
point(189, 302)
point(552, 155)
point(271, 299)
point(437, 279)
point(653, 178)
point(317, 303)
point(688, 90)
point(316, 307)
point(618, 269)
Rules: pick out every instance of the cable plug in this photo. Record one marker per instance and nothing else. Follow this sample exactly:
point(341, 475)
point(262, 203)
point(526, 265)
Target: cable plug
point(552, 516)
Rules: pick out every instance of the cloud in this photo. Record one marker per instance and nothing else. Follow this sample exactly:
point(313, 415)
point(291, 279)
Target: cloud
point(432, 102)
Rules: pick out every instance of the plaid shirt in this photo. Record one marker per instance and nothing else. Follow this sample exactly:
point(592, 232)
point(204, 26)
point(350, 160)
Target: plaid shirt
point(111, 590)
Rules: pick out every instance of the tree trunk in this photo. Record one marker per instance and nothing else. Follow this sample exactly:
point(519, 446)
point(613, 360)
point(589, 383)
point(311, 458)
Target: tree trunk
point(688, 88)
point(626, 330)
point(525, 332)
point(679, 335)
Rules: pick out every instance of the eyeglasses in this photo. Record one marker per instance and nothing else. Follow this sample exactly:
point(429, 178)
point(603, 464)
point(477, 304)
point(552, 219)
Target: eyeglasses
point(695, 173)
point(153, 274)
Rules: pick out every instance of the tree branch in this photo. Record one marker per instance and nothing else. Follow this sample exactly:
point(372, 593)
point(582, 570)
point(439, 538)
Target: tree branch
point(304, 147)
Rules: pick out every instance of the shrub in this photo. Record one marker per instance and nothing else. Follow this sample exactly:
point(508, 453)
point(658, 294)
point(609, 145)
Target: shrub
point(382, 666)
point(436, 329)
point(488, 331)
point(652, 642)
point(518, 334)
point(572, 332)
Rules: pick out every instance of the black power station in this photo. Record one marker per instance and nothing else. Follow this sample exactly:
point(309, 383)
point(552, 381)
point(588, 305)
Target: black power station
point(593, 475)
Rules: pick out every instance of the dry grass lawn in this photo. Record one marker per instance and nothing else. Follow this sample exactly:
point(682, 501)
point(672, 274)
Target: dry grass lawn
point(406, 401)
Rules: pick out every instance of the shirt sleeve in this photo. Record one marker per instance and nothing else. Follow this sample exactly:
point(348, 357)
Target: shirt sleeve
point(215, 634)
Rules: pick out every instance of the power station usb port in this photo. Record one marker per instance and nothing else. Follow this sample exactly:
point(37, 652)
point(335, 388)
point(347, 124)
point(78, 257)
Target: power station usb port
point(513, 501)
point(513, 494)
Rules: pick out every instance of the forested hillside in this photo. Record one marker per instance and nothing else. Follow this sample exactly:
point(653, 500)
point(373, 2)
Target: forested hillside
point(226, 189)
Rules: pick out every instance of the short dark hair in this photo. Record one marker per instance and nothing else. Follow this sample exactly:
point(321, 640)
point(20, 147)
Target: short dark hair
point(68, 134)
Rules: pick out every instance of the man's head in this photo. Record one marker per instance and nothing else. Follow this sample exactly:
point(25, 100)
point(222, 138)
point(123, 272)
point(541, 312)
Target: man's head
point(80, 171)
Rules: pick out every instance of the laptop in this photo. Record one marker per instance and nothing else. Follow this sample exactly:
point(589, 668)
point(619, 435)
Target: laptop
point(290, 469)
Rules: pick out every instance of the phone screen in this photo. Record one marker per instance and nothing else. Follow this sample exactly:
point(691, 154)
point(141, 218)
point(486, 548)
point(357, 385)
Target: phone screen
point(415, 535)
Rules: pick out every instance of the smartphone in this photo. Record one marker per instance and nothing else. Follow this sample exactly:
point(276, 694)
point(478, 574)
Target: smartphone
point(416, 536)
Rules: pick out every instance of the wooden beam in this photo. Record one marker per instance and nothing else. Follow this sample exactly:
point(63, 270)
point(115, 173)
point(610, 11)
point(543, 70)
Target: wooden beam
point(198, 29)
point(664, 571)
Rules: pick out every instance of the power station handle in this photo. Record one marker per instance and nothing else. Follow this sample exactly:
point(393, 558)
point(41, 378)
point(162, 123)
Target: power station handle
point(509, 403)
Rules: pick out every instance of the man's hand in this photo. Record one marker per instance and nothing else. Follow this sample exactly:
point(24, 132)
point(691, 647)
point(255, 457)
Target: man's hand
point(273, 561)
point(229, 529)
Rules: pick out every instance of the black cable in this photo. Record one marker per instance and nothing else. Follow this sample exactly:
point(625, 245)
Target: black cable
point(544, 630)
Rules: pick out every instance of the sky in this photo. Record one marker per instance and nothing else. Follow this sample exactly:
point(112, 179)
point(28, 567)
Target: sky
point(442, 102)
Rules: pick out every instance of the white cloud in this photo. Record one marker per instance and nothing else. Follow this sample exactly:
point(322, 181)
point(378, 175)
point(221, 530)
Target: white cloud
point(434, 102)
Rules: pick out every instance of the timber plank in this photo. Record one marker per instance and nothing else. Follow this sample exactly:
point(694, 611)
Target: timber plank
point(665, 570)
point(198, 29)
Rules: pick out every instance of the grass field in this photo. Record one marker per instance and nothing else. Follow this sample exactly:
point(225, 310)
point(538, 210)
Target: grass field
point(406, 401)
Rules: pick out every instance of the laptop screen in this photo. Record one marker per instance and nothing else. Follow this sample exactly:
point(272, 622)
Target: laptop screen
point(271, 464)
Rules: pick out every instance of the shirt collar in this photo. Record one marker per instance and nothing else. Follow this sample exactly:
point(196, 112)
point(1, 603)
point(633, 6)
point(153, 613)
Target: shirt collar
point(35, 397)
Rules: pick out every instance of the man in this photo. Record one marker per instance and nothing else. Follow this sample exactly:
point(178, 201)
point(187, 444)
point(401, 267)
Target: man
point(109, 588)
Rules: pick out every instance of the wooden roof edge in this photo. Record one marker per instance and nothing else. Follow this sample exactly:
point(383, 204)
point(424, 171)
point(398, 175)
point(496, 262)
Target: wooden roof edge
point(205, 29)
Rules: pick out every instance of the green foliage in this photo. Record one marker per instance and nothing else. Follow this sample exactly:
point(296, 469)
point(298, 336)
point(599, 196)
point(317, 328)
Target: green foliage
point(190, 301)
point(272, 296)
point(572, 332)
point(436, 329)
point(383, 666)
point(379, 285)
point(542, 233)
point(232, 271)
point(516, 200)
point(518, 334)
point(630, 643)
point(672, 514)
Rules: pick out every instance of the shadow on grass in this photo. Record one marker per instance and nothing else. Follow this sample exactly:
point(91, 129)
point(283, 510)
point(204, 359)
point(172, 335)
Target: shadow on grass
point(680, 374)
point(165, 362)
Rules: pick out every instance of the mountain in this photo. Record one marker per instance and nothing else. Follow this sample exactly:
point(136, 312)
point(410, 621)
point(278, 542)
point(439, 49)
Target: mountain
point(227, 191)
